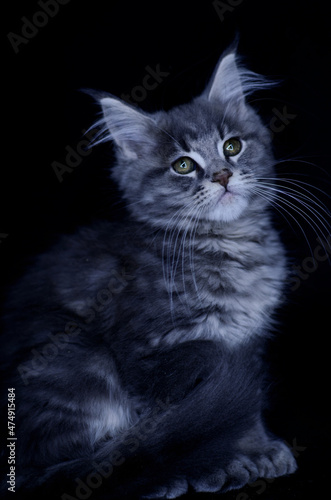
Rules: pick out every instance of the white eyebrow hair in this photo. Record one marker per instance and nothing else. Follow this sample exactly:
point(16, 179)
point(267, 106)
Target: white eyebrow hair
point(220, 148)
point(196, 157)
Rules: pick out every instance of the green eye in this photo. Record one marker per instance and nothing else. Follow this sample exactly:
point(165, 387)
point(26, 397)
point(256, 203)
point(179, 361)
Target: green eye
point(184, 165)
point(232, 147)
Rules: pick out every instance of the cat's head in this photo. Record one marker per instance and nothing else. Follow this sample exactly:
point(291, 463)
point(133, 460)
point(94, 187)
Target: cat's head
point(198, 160)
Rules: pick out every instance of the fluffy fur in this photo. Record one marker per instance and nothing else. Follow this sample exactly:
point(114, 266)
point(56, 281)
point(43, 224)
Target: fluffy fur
point(136, 348)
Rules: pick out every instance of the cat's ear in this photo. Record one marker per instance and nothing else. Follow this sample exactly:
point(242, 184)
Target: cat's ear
point(129, 127)
point(231, 81)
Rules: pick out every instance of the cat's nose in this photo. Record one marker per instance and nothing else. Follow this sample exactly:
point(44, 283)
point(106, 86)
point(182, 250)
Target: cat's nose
point(222, 176)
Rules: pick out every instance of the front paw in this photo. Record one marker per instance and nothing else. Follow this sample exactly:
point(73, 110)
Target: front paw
point(174, 489)
point(276, 460)
point(239, 471)
point(272, 459)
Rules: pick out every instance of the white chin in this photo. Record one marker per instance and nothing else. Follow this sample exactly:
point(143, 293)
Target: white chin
point(228, 208)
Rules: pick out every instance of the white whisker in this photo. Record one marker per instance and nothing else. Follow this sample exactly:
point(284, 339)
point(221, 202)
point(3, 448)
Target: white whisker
point(281, 209)
point(304, 162)
point(297, 196)
point(191, 246)
point(299, 184)
point(170, 246)
point(306, 202)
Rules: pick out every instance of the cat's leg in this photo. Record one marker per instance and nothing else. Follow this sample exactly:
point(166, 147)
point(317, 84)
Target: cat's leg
point(216, 404)
point(270, 455)
point(257, 455)
point(221, 461)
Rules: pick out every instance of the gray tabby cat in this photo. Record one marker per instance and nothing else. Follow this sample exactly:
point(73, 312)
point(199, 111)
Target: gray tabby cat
point(152, 330)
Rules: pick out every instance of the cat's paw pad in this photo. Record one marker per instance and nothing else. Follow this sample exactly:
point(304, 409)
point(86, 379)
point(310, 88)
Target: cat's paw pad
point(276, 460)
point(174, 489)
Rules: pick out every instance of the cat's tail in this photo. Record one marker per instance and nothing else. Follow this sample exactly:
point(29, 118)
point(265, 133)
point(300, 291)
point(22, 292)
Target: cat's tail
point(204, 400)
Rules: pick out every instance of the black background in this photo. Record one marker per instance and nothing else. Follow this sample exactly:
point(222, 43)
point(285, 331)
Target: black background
point(107, 45)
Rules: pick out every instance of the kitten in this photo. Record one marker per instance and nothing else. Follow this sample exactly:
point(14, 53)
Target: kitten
point(136, 348)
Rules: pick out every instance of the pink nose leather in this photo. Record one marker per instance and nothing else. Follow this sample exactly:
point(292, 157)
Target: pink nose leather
point(222, 177)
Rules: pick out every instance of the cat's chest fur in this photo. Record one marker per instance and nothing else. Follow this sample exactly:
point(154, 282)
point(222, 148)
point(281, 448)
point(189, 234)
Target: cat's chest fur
point(216, 287)
point(227, 288)
point(213, 286)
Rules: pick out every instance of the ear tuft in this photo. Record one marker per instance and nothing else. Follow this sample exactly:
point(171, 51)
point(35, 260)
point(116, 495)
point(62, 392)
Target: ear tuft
point(232, 81)
point(127, 126)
